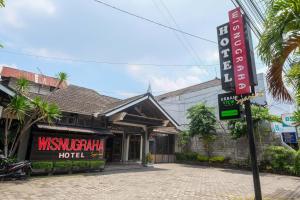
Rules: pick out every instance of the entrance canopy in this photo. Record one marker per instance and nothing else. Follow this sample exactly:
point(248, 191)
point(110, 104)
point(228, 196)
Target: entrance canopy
point(141, 110)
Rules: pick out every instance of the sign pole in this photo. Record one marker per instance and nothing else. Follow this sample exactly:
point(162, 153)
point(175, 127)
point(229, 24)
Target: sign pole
point(252, 148)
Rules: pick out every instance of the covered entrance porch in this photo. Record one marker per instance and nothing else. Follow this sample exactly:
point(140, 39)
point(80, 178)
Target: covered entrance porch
point(136, 125)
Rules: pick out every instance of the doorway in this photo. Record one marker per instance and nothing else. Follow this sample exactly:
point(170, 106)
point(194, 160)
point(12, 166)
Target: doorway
point(113, 149)
point(134, 147)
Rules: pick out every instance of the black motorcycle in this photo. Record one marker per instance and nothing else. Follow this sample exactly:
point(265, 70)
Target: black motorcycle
point(11, 171)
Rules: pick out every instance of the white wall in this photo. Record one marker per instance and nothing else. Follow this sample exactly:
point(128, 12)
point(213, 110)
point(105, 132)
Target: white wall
point(177, 106)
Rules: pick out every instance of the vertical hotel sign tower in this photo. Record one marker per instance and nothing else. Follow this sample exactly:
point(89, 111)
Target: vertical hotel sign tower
point(238, 78)
point(239, 53)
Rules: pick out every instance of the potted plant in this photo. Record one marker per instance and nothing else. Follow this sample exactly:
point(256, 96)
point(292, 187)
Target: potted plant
point(149, 160)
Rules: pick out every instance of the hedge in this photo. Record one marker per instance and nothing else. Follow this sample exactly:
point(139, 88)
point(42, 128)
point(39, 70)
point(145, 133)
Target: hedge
point(83, 164)
point(63, 164)
point(47, 165)
point(217, 159)
point(192, 156)
point(96, 164)
point(68, 164)
point(297, 163)
point(279, 159)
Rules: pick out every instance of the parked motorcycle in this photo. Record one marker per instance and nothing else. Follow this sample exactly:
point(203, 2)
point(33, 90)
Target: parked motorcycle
point(12, 171)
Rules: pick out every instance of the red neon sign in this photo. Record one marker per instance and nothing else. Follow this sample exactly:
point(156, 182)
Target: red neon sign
point(66, 144)
point(239, 52)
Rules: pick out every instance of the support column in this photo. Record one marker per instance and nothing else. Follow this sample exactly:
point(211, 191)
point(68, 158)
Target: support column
point(141, 148)
point(123, 147)
point(127, 147)
point(145, 146)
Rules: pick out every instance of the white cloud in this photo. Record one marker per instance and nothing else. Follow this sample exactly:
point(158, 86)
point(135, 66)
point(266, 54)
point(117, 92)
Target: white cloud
point(167, 80)
point(9, 65)
point(211, 56)
point(15, 12)
point(46, 53)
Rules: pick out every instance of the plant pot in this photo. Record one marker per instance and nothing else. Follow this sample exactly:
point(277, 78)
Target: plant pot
point(148, 165)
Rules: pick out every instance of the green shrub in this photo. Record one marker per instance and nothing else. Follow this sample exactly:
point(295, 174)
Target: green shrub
point(297, 163)
point(191, 156)
point(180, 156)
point(280, 158)
point(42, 165)
point(83, 164)
point(96, 164)
point(63, 164)
point(187, 156)
point(217, 159)
point(202, 158)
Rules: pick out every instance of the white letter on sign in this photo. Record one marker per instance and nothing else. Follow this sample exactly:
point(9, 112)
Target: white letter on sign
point(241, 76)
point(240, 68)
point(223, 30)
point(225, 53)
point(224, 42)
point(227, 79)
point(227, 65)
point(242, 86)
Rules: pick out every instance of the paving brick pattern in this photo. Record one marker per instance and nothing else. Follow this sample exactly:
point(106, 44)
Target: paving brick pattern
point(164, 181)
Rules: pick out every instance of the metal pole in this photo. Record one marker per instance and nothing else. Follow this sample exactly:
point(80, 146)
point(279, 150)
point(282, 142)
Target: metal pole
point(252, 148)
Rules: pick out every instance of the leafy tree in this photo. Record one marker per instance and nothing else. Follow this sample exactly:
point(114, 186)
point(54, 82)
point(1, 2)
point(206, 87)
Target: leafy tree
point(28, 112)
point(294, 78)
point(238, 128)
point(202, 124)
point(280, 41)
point(183, 139)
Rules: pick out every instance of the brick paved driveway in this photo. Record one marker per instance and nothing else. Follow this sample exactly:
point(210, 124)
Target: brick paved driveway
point(164, 181)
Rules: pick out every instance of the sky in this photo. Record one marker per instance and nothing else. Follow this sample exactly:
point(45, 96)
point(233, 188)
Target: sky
point(69, 36)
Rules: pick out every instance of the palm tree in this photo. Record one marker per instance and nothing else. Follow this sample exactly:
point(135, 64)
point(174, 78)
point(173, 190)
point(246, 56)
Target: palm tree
point(62, 78)
point(280, 41)
point(37, 109)
point(17, 108)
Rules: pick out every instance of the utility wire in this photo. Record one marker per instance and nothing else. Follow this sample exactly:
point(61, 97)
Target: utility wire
point(154, 22)
point(176, 34)
point(178, 27)
point(104, 62)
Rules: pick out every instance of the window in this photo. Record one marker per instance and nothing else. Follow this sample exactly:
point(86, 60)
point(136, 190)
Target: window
point(164, 144)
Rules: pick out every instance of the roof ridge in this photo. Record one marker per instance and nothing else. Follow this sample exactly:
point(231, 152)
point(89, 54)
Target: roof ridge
point(186, 88)
point(94, 91)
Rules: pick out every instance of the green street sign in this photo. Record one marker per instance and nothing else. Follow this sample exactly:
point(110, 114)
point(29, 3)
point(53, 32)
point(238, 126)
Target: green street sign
point(228, 107)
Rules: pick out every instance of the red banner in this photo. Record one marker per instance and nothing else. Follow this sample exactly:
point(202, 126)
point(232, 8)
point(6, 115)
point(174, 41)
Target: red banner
point(239, 52)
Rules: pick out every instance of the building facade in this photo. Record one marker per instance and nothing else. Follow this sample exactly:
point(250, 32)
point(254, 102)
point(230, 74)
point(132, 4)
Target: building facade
point(176, 103)
point(121, 130)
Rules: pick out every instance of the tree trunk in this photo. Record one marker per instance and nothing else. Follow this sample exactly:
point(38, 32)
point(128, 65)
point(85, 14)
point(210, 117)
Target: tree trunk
point(5, 141)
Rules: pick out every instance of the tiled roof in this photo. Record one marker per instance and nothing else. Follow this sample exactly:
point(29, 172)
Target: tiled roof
point(36, 78)
point(75, 99)
point(193, 88)
point(120, 103)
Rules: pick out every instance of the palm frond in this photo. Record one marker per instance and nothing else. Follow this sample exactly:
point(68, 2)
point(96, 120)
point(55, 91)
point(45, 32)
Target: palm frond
point(22, 85)
point(18, 107)
point(2, 3)
point(278, 41)
point(62, 78)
